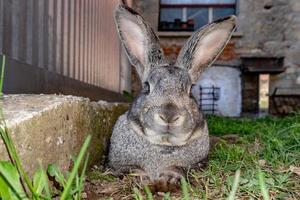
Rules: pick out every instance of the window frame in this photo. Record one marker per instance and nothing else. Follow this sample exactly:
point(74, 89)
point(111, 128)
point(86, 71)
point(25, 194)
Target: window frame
point(210, 8)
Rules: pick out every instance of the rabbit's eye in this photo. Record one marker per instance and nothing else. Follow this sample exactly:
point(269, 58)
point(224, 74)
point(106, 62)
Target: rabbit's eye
point(146, 89)
point(191, 89)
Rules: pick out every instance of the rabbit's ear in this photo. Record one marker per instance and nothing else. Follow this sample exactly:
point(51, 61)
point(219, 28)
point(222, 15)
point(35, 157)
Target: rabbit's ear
point(205, 45)
point(139, 40)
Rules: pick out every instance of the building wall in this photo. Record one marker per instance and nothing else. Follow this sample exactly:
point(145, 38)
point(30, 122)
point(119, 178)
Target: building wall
point(272, 27)
point(172, 42)
point(266, 27)
point(228, 79)
point(75, 39)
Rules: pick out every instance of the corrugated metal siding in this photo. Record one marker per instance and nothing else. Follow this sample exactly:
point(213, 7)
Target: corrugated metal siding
point(74, 38)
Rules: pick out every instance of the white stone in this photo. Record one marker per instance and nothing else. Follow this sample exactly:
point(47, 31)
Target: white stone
point(298, 80)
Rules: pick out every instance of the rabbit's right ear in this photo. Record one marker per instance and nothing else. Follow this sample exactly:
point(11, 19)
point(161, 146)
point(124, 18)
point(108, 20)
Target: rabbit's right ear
point(205, 45)
point(139, 40)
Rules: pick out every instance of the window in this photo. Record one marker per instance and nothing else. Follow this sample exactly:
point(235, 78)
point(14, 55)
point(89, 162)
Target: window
point(189, 15)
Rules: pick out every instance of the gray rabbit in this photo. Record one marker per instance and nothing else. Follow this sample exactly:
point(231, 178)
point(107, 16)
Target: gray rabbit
point(163, 134)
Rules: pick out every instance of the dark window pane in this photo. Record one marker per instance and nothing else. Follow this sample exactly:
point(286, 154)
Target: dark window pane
point(199, 15)
point(222, 12)
point(176, 2)
point(170, 14)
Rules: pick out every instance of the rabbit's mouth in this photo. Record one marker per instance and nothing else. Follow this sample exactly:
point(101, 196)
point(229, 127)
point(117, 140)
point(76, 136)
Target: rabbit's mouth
point(167, 138)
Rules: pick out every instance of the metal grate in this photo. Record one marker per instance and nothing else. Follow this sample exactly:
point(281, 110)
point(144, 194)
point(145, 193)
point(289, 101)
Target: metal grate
point(208, 99)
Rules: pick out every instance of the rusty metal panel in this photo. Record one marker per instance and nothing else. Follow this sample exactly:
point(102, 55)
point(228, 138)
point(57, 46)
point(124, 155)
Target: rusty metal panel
point(1, 25)
point(29, 31)
point(7, 28)
point(15, 29)
point(35, 34)
point(41, 47)
point(73, 38)
point(51, 34)
point(77, 40)
point(58, 35)
point(65, 36)
point(22, 31)
point(110, 47)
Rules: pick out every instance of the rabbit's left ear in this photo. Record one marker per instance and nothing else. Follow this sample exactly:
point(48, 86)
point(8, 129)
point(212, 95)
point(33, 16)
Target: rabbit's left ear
point(205, 45)
point(139, 40)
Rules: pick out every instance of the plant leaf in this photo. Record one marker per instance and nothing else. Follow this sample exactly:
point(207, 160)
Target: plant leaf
point(235, 185)
point(67, 189)
point(137, 194)
point(40, 182)
point(185, 189)
point(11, 178)
point(148, 192)
point(128, 95)
point(5, 192)
point(55, 172)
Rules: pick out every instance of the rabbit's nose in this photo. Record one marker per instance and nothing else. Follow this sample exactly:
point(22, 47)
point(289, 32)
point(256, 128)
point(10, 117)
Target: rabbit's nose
point(163, 118)
point(174, 118)
point(167, 119)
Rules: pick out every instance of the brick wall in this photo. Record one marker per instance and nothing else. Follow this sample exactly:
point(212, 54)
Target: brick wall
point(172, 48)
point(229, 53)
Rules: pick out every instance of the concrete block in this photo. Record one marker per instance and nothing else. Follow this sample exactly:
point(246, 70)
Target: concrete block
point(52, 128)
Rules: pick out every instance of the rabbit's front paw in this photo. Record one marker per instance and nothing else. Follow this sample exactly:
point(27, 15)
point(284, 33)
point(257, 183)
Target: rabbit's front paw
point(141, 176)
point(169, 179)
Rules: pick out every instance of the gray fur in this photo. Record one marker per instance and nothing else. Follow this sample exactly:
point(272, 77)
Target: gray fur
point(163, 128)
point(153, 52)
point(130, 150)
point(187, 54)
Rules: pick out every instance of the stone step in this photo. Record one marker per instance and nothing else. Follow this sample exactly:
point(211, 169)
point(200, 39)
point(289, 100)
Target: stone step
point(52, 128)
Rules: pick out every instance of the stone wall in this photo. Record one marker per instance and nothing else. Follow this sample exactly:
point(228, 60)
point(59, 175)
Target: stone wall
point(285, 105)
point(52, 128)
point(272, 27)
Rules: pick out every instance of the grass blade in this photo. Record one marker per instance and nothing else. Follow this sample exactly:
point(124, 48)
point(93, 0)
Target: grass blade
point(262, 185)
point(137, 194)
point(167, 196)
point(55, 172)
point(8, 141)
point(81, 180)
point(75, 169)
point(148, 193)
point(10, 177)
point(45, 180)
point(2, 75)
point(235, 185)
point(14, 157)
point(184, 188)
point(40, 184)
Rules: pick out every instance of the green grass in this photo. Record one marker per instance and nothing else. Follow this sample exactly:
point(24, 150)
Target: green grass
point(266, 146)
point(256, 166)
